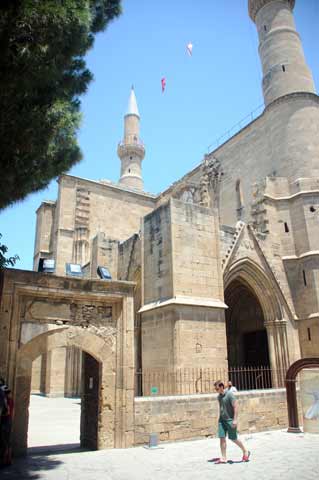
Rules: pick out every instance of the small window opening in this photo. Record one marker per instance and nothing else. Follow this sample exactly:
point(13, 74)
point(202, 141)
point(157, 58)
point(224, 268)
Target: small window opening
point(304, 278)
point(283, 68)
point(240, 200)
point(265, 28)
point(312, 209)
point(131, 158)
point(129, 170)
point(286, 227)
point(309, 334)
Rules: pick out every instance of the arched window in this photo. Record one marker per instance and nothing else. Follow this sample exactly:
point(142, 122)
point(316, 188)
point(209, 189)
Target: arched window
point(239, 200)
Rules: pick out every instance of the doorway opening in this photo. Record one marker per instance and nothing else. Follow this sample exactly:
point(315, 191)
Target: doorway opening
point(64, 401)
point(247, 342)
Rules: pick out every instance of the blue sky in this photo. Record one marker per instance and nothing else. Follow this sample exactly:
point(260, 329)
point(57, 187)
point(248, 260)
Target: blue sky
point(206, 94)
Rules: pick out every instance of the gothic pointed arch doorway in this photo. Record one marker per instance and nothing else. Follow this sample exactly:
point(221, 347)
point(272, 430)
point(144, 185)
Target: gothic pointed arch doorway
point(247, 343)
point(256, 326)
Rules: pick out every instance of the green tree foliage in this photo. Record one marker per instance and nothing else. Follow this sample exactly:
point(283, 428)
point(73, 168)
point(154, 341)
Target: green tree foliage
point(6, 261)
point(42, 75)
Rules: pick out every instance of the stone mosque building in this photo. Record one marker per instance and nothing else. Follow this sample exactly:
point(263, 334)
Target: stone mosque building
point(226, 260)
point(219, 270)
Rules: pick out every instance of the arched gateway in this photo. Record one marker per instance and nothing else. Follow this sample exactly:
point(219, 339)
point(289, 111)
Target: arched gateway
point(41, 313)
point(259, 330)
point(97, 354)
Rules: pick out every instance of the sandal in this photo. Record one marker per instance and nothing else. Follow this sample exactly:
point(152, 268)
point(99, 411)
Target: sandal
point(246, 457)
point(220, 461)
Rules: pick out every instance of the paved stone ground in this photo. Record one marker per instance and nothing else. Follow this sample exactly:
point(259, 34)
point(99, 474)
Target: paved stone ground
point(275, 455)
point(48, 418)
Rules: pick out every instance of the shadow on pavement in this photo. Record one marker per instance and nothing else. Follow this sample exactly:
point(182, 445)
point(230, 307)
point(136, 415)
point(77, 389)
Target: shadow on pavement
point(29, 468)
point(38, 461)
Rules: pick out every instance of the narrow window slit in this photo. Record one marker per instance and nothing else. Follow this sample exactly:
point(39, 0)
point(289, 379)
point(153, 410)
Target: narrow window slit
point(286, 227)
point(309, 334)
point(304, 278)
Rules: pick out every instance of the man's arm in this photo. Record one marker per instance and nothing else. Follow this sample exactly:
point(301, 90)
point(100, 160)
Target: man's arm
point(235, 406)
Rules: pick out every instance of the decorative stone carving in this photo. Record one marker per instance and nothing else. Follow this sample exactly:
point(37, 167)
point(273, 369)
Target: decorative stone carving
point(188, 193)
point(210, 182)
point(81, 231)
point(248, 244)
point(258, 209)
point(63, 313)
point(255, 5)
point(88, 315)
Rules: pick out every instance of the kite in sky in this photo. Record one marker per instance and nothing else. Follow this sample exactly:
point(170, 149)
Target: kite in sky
point(163, 82)
point(189, 48)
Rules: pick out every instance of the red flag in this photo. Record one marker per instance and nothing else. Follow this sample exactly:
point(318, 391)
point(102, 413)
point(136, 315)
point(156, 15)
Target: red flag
point(163, 82)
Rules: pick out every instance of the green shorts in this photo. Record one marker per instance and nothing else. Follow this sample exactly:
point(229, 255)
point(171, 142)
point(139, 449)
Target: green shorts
point(224, 427)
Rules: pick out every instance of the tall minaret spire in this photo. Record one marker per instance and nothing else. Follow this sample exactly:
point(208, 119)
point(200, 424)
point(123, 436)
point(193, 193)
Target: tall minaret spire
point(284, 67)
point(131, 150)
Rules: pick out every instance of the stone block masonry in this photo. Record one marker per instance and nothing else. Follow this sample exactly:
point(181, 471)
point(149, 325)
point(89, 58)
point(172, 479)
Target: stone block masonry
point(195, 416)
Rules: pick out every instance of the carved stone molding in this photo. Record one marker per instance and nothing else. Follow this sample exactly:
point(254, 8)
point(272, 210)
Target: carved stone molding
point(87, 314)
point(210, 182)
point(258, 209)
point(255, 5)
point(84, 315)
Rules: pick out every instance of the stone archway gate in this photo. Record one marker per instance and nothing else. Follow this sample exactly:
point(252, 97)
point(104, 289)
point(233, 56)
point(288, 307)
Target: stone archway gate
point(94, 315)
point(291, 375)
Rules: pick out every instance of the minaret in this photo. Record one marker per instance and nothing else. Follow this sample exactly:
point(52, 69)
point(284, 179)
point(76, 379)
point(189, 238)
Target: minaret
point(284, 67)
point(131, 150)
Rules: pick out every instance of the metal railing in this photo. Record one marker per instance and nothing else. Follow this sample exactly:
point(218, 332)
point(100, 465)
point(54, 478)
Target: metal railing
point(235, 128)
point(186, 381)
point(131, 140)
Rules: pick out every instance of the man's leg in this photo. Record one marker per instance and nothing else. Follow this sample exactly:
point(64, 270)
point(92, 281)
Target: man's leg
point(223, 448)
point(233, 436)
point(241, 446)
point(222, 439)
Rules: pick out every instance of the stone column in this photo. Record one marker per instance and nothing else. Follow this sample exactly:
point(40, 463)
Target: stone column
point(278, 350)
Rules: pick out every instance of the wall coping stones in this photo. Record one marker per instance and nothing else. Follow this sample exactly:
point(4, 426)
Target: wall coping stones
point(114, 186)
point(292, 196)
point(180, 300)
point(310, 253)
point(208, 396)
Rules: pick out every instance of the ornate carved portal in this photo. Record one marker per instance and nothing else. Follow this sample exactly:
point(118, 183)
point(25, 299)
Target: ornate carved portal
point(45, 314)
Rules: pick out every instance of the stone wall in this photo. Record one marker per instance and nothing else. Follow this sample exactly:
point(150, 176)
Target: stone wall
point(281, 142)
point(108, 208)
point(195, 251)
point(195, 416)
point(157, 250)
point(183, 323)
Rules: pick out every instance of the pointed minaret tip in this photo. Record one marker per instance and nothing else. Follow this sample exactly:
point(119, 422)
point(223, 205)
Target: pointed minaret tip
point(132, 104)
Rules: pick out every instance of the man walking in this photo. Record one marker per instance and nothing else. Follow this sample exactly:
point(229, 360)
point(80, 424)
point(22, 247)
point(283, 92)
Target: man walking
point(231, 387)
point(227, 423)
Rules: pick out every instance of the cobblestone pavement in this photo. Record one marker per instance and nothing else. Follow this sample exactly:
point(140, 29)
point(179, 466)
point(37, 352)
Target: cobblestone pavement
point(275, 455)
